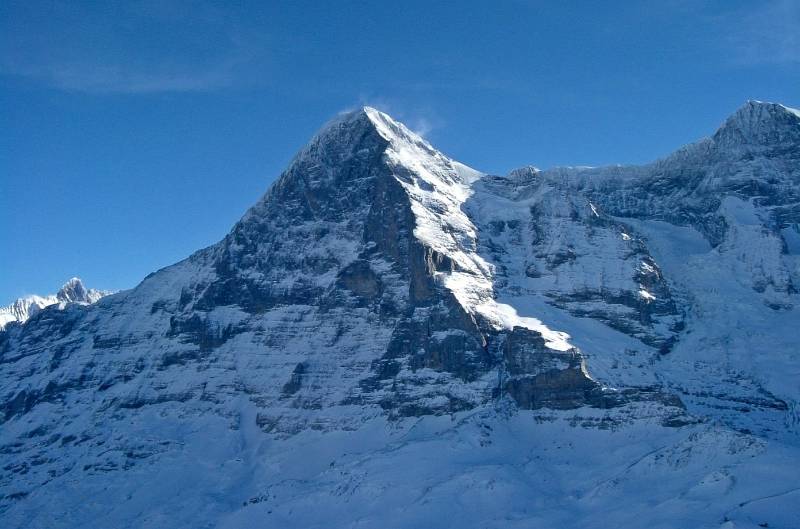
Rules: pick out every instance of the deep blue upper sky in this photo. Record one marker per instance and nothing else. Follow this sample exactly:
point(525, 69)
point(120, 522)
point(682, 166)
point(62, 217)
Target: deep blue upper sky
point(137, 132)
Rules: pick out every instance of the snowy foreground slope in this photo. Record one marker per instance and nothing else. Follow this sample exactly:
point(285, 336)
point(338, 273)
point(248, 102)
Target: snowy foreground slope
point(389, 338)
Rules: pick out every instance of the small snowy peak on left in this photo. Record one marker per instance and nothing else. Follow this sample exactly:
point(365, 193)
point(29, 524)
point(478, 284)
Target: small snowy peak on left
point(73, 291)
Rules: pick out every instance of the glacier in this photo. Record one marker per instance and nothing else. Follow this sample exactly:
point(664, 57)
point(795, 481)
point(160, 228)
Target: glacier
point(391, 338)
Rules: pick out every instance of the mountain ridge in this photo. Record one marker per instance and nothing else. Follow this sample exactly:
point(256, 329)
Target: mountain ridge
point(386, 320)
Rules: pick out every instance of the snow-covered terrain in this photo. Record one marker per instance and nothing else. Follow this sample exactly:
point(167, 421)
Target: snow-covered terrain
point(389, 338)
point(72, 291)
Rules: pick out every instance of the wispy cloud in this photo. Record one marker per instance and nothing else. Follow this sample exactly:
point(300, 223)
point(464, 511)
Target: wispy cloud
point(90, 77)
point(764, 33)
point(118, 47)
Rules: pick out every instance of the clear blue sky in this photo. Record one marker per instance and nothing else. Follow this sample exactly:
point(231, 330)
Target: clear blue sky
point(134, 133)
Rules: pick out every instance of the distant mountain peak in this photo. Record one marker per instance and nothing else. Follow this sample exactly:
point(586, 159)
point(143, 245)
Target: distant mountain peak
point(73, 291)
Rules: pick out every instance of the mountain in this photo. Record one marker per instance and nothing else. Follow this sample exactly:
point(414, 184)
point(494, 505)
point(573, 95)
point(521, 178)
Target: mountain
point(391, 338)
point(72, 291)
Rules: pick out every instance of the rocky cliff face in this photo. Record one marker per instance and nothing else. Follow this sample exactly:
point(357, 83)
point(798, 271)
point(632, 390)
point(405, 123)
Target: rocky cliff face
point(381, 293)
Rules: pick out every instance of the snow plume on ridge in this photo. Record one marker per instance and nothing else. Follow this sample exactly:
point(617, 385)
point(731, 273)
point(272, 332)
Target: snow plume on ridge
point(438, 187)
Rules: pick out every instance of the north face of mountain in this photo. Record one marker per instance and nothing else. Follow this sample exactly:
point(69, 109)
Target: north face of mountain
point(391, 330)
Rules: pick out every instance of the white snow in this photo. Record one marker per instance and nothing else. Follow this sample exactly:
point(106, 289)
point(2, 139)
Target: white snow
point(438, 188)
point(794, 111)
point(646, 295)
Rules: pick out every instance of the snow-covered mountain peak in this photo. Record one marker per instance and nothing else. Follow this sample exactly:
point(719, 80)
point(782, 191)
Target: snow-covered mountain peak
point(73, 291)
point(365, 139)
point(407, 144)
point(350, 126)
point(760, 124)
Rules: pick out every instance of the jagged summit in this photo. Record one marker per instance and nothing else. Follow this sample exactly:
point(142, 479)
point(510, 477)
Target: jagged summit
point(73, 291)
point(351, 126)
point(766, 109)
point(366, 116)
point(759, 123)
point(323, 177)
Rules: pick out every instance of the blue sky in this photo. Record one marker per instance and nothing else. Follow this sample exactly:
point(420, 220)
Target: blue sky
point(137, 132)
